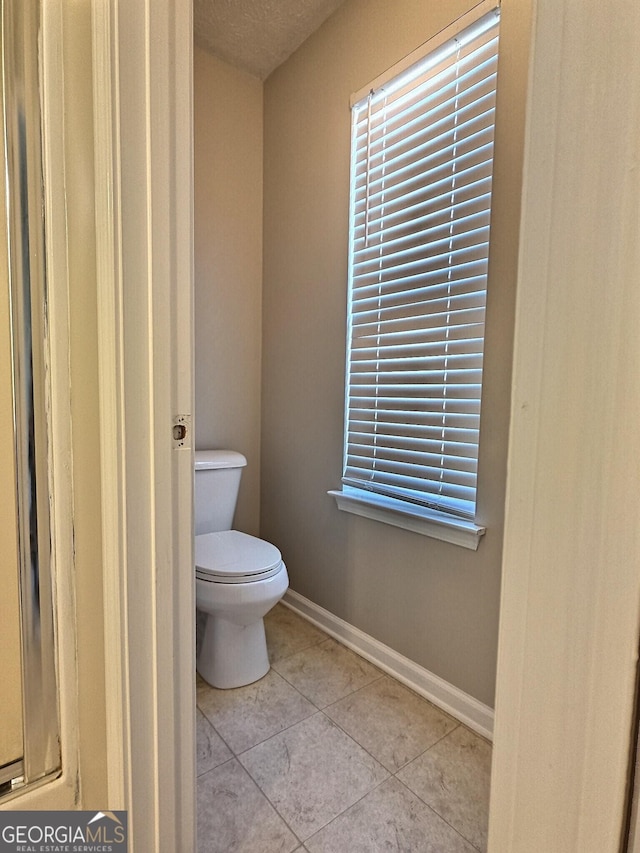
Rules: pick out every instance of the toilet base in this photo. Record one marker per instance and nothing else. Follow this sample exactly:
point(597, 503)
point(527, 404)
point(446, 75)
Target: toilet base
point(232, 655)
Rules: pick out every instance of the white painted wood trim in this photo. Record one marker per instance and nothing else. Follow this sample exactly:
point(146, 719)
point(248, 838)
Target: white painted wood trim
point(460, 705)
point(143, 148)
point(437, 525)
point(111, 396)
point(449, 32)
point(568, 645)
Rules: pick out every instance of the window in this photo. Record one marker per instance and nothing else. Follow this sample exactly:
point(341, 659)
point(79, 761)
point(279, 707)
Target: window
point(422, 157)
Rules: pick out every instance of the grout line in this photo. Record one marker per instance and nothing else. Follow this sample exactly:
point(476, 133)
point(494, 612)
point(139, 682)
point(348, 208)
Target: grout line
point(345, 810)
point(334, 701)
point(323, 710)
point(306, 698)
point(431, 808)
point(217, 767)
point(302, 648)
point(269, 737)
point(358, 744)
point(273, 806)
point(424, 751)
point(233, 754)
point(275, 734)
point(303, 841)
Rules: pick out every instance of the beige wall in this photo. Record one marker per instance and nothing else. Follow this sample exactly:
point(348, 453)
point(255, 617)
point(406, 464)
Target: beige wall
point(433, 602)
point(228, 268)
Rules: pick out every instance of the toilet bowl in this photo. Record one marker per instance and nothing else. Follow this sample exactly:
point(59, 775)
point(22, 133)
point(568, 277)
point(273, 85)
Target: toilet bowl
point(239, 578)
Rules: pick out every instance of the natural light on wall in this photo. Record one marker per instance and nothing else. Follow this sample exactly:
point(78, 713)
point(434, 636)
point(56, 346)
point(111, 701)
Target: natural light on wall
point(421, 172)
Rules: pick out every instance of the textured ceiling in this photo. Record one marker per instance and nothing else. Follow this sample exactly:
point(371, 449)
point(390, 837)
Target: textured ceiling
point(257, 35)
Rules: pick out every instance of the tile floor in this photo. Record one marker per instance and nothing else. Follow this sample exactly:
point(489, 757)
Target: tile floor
point(327, 754)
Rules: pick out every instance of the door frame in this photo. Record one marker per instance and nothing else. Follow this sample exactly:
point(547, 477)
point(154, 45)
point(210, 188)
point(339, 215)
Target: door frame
point(570, 605)
point(144, 224)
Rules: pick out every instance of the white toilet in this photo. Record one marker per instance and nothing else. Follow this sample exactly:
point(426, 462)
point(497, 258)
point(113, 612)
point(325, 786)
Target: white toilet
point(239, 578)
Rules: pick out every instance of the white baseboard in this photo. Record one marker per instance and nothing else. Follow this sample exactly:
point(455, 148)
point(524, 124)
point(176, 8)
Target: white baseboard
point(455, 702)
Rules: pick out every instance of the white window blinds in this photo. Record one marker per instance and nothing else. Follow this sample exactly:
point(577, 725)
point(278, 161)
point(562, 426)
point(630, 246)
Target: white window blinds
point(422, 155)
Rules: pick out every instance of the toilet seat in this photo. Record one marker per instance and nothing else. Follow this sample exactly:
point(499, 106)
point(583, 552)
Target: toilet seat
point(230, 556)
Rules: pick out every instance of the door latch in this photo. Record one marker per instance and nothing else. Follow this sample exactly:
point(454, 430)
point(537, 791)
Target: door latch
point(182, 431)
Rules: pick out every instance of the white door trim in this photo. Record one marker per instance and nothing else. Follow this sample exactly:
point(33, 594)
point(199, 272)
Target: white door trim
point(568, 647)
point(143, 120)
point(110, 321)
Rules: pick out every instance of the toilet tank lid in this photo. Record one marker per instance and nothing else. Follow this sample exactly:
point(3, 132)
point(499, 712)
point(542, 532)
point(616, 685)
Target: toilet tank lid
point(219, 459)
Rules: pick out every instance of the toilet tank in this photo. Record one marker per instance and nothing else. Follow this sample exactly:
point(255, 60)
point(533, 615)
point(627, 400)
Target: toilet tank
point(217, 480)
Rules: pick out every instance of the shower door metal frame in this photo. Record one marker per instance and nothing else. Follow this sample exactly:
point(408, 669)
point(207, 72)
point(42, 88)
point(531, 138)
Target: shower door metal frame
point(23, 46)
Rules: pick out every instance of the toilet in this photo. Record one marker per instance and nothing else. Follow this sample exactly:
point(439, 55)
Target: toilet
point(239, 578)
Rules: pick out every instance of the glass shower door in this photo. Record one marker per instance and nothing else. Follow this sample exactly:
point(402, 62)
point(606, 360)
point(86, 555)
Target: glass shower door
point(29, 713)
point(11, 713)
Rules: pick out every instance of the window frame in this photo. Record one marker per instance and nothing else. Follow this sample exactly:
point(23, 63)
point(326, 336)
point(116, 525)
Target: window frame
point(441, 523)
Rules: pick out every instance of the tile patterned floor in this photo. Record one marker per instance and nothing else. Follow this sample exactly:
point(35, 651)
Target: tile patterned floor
point(327, 754)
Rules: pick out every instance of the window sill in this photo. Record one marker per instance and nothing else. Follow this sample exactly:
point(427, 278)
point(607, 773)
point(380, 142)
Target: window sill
point(457, 531)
